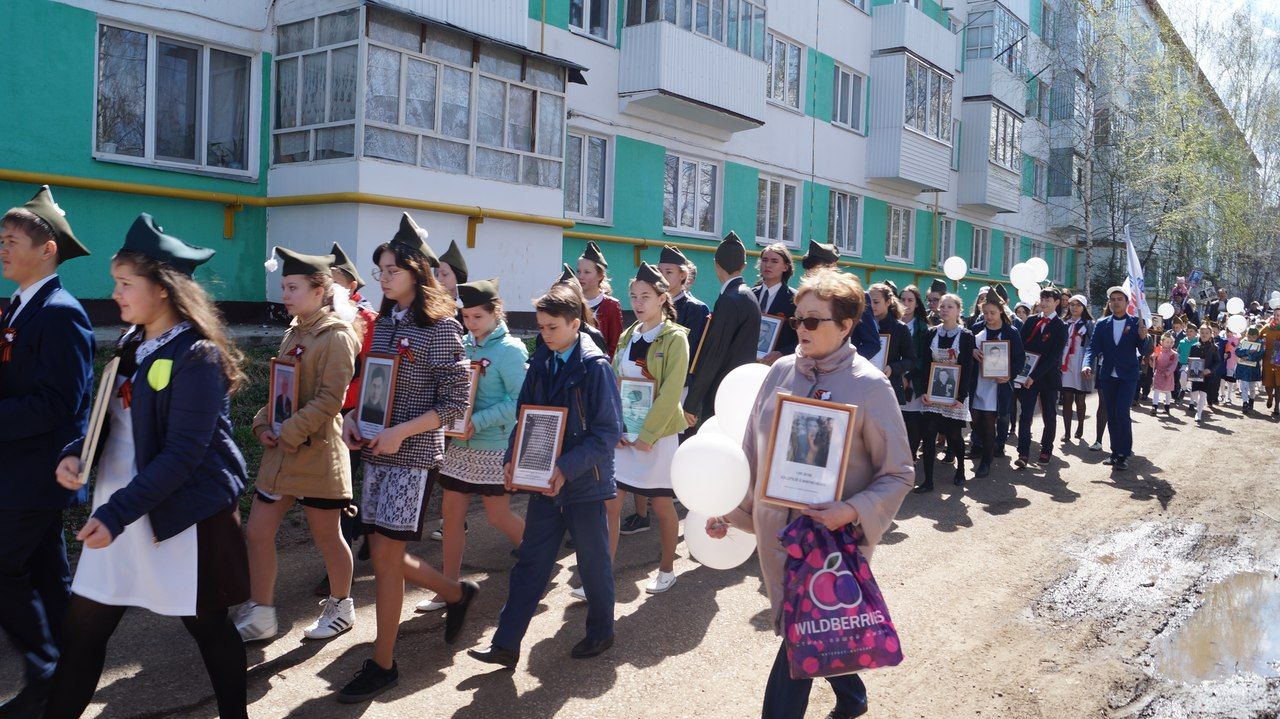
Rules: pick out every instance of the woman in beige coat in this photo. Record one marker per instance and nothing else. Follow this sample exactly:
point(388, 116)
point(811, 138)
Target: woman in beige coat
point(304, 459)
point(879, 470)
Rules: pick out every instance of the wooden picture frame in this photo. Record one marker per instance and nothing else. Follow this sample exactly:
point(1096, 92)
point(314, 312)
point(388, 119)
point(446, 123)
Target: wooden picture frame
point(995, 364)
point(635, 410)
point(374, 412)
point(881, 358)
point(277, 409)
point(1028, 366)
point(98, 417)
point(808, 471)
point(533, 466)
point(706, 330)
point(940, 374)
point(1195, 369)
point(458, 427)
point(770, 330)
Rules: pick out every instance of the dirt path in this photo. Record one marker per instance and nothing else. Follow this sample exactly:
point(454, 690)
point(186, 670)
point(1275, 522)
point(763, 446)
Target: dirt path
point(1034, 594)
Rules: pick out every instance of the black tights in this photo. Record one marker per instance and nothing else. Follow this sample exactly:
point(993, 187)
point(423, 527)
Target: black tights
point(984, 429)
point(88, 627)
point(914, 420)
point(933, 425)
point(1072, 397)
point(1101, 420)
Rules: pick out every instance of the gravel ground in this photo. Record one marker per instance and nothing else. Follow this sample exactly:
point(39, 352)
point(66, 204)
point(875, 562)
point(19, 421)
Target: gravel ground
point(1040, 593)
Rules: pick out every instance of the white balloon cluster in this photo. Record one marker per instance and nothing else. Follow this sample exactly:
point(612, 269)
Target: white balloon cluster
point(1026, 278)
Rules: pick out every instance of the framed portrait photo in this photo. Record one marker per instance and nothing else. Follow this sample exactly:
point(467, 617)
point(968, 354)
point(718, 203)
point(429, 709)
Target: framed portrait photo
point(995, 359)
point(637, 399)
point(1028, 366)
point(881, 358)
point(808, 449)
point(697, 354)
point(458, 427)
point(539, 436)
point(944, 382)
point(377, 387)
point(1195, 368)
point(98, 416)
point(770, 328)
point(283, 401)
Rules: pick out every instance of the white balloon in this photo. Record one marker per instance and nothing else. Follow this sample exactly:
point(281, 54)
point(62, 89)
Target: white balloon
point(1235, 306)
point(1237, 324)
point(955, 267)
point(1028, 295)
point(1166, 311)
point(1275, 302)
point(710, 474)
point(734, 549)
point(1039, 269)
point(711, 426)
point(737, 396)
point(1020, 275)
point(1275, 294)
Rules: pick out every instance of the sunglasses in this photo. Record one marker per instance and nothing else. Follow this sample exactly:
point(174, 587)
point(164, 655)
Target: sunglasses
point(809, 323)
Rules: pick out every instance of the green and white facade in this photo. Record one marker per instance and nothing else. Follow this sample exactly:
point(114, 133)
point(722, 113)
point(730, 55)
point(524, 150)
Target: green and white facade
point(898, 130)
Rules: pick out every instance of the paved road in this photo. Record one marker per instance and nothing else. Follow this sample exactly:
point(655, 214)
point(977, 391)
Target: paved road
point(965, 576)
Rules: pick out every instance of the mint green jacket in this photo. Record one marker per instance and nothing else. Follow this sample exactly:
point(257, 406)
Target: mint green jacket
point(503, 358)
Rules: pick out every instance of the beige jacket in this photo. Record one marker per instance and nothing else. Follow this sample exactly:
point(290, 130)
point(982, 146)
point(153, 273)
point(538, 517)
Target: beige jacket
point(321, 468)
point(879, 468)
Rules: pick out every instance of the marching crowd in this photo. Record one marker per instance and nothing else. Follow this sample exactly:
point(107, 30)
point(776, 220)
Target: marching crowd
point(165, 535)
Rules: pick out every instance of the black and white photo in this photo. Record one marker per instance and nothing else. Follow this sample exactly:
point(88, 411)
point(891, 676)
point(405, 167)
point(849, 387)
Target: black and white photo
point(539, 436)
point(807, 451)
point(284, 393)
point(770, 327)
point(377, 382)
point(995, 359)
point(944, 383)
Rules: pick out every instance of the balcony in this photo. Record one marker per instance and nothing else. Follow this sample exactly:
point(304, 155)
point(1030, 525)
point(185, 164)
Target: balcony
point(984, 185)
point(504, 20)
point(986, 79)
point(900, 26)
point(1066, 215)
point(668, 72)
point(896, 155)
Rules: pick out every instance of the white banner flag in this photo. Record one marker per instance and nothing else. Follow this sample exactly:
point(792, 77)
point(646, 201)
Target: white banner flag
point(1134, 283)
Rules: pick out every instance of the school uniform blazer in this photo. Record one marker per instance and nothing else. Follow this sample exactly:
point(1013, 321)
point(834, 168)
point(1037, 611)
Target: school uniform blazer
point(189, 467)
point(692, 313)
point(963, 345)
point(1017, 357)
point(784, 303)
point(730, 342)
point(44, 398)
point(1048, 342)
point(1122, 357)
point(902, 355)
point(866, 334)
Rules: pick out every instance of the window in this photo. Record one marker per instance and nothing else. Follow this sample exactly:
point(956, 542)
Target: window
point(846, 96)
point(1010, 255)
point(1037, 249)
point(1047, 20)
point(172, 102)
point(842, 223)
point(1066, 172)
point(738, 24)
point(898, 245)
point(1040, 180)
point(586, 174)
point(782, 60)
point(1043, 94)
point(955, 145)
point(590, 16)
point(860, 4)
point(945, 247)
point(316, 80)
point(980, 252)
point(689, 195)
point(998, 34)
point(776, 212)
point(1006, 139)
point(928, 100)
point(1060, 264)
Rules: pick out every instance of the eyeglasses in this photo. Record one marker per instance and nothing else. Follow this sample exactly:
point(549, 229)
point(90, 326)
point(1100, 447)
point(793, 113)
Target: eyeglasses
point(810, 323)
point(391, 274)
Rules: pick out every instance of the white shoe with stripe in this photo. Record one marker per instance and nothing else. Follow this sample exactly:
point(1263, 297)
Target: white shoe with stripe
point(336, 616)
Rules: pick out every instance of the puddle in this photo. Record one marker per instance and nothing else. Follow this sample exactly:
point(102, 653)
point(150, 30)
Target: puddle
point(1236, 630)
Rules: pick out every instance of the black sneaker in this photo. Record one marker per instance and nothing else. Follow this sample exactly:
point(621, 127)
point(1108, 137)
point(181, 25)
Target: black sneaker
point(1120, 465)
point(456, 614)
point(634, 524)
point(369, 682)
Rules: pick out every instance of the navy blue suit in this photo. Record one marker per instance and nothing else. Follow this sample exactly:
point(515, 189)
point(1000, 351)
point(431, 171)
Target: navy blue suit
point(1118, 370)
point(1046, 339)
point(44, 404)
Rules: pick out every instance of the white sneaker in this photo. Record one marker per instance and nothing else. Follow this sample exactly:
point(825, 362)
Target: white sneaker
point(429, 605)
point(336, 617)
point(661, 583)
point(257, 623)
point(580, 594)
point(1095, 447)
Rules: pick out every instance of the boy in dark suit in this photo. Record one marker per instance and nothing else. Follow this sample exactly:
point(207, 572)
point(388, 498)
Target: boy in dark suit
point(866, 334)
point(776, 297)
point(1045, 335)
point(1118, 341)
point(46, 368)
point(732, 334)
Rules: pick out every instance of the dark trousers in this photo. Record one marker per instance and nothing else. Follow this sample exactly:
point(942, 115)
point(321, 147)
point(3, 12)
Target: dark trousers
point(544, 528)
point(787, 698)
point(35, 585)
point(1117, 395)
point(1048, 397)
point(933, 425)
point(984, 439)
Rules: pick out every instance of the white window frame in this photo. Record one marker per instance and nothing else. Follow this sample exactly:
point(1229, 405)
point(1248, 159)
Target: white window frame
point(765, 186)
point(945, 247)
point(698, 163)
point(980, 251)
point(200, 166)
point(1012, 246)
point(1048, 16)
point(839, 236)
point(857, 100)
point(860, 4)
point(772, 41)
point(606, 202)
point(1044, 108)
point(1040, 181)
point(1005, 139)
point(956, 129)
point(901, 248)
point(935, 127)
point(609, 23)
point(1007, 34)
point(1037, 248)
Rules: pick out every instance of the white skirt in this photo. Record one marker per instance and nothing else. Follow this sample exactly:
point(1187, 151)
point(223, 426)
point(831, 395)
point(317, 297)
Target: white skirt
point(646, 470)
point(135, 570)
